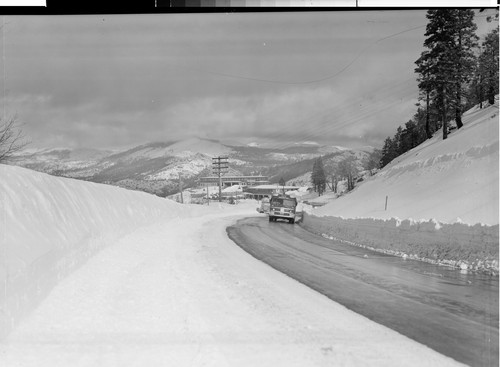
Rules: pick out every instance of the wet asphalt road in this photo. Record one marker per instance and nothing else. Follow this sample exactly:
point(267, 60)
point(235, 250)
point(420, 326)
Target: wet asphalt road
point(452, 312)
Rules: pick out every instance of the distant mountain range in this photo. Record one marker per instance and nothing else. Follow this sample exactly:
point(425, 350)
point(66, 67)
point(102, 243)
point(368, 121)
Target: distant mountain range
point(156, 167)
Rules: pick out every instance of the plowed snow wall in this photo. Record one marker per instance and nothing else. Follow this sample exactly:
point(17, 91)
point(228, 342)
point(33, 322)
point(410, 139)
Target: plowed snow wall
point(458, 244)
point(51, 225)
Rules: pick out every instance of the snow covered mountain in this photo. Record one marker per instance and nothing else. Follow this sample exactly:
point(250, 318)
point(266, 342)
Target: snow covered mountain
point(57, 160)
point(156, 167)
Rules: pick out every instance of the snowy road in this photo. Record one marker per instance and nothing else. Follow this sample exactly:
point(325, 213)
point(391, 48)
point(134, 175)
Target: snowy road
point(453, 313)
point(180, 293)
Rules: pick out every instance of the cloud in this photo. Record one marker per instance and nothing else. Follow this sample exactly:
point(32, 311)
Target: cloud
point(322, 114)
point(105, 81)
point(298, 114)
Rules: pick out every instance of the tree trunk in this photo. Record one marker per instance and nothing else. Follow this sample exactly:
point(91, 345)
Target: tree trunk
point(350, 182)
point(480, 91)
point(491, 95)
point(328, 185)
point(458, 105)
point(445, 124)
point(458, 108)
point(491, 89)
point(427, 120)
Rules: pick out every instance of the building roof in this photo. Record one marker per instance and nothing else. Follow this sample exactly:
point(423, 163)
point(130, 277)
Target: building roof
point(233, 177)
point(275, 187)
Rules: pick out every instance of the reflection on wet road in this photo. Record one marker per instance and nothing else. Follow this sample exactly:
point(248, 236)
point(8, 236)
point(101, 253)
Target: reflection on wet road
point(452, 312)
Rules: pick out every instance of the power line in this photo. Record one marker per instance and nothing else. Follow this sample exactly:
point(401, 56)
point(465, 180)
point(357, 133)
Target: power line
point(328, 77)
point(360, 115)
point(383, 92)
point(353, 103)
point(311, 135)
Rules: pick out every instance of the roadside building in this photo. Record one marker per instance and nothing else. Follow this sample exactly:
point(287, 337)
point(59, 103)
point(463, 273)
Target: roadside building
point(260, 191)
point(228, 181)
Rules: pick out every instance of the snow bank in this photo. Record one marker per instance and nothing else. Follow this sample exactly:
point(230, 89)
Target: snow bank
point(442, 200)
point(50, 225)
point(455, 180)
point(458, 245)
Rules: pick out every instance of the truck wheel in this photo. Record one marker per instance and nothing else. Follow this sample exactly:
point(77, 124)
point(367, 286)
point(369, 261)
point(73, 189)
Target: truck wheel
point(292, 220)
point(270, 218)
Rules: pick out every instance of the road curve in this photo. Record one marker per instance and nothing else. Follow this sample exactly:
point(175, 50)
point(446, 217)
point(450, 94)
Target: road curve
point(453, 313)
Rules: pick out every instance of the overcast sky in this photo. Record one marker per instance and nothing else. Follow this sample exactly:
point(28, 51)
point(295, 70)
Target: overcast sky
point(340, 78)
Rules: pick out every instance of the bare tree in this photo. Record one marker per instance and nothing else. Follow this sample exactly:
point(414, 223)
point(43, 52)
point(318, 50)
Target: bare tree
point(12, 139)
point(348, 170)
point(372, 162)
point(332, 176)
point(335, 182)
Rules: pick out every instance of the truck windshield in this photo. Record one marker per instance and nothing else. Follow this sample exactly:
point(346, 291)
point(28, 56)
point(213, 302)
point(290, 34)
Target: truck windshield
point(284, 202)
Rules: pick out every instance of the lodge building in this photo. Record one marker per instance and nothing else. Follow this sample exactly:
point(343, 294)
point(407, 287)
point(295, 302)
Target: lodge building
point(228, 181)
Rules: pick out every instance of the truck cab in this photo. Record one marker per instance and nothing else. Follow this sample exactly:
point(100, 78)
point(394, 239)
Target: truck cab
point(282, 206)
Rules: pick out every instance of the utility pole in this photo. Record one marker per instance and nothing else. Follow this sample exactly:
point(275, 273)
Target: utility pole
point(282, 184)
point(220, 167)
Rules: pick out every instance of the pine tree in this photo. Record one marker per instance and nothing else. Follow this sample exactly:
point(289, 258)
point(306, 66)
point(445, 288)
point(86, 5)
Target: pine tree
point(321, 177)
point(425, 87)
point(484, 84)
point(389, 152)
point(398, 141)
point(314, 174)
point(488, 65)
point(449, 61)
point(476, 87)
point(439, 39)
point(420, 120)
point(465, 42)
point(409, 137)
point(318, 178)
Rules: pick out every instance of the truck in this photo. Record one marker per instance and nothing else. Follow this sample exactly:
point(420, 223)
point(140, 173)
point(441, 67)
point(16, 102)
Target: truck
point(264, 205)
point(282, 206)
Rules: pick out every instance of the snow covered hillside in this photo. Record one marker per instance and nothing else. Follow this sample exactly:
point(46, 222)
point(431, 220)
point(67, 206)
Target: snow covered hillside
point(442, 201)
point(56, 160)
point(181, 149)
point(166, 288)
point(155, 167)
point(455, 180)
